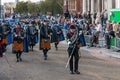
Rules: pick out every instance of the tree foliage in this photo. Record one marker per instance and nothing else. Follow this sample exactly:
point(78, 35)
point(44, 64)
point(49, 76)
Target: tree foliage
point(21, 7)
point(54, 6)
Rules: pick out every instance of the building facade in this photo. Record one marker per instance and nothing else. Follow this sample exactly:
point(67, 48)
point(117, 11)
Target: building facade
point(74, 6)
point(99, 5)
point(91, 5)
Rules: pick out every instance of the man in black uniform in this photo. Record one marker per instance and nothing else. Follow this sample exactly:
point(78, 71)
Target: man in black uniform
point(18, 38)
point(5, 31)
point(45, 34)
point(73, 49)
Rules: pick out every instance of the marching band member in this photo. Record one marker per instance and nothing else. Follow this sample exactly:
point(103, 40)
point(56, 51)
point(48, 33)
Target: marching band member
point(57, 35)
point(73, 49)
point(5, 32)
point(45, 34)
point(18, 38)
point(1, 43)
point(25, 42)
point(32, 33)
point(2, 49)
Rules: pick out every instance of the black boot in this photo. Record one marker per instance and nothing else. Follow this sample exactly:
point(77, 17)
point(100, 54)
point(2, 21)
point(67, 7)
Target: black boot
point(20, 53)
point(32, 47)
point(17, 57)
point(77, 72)
point(45, 54)
point(71, 72)
point(56, 46)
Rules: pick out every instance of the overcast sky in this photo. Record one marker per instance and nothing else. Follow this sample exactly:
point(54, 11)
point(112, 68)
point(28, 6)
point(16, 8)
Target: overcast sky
point(3, 1)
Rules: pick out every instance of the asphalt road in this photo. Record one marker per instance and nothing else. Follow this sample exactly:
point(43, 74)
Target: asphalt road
point(92, 66)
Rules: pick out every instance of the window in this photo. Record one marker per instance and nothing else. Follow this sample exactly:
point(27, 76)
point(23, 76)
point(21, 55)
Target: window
point(72, 4)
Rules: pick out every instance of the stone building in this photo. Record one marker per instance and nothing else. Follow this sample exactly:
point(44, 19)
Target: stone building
point(74, 6)
point(91, 5)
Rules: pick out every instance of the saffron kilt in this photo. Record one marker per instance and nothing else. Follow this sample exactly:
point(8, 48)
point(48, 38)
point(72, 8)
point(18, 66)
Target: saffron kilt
point(44, 44)
point(17, 46)
point(5, 40)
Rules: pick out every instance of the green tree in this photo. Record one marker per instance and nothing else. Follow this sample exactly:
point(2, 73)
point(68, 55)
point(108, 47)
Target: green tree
point(32, 7)
point(54, 6)
point(21, 7)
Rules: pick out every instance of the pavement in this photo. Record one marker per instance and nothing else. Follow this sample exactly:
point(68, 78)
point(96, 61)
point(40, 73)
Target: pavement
point(103, 51)
point(92, 65)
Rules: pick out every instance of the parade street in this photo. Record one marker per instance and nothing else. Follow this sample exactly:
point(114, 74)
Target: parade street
point(92, 66)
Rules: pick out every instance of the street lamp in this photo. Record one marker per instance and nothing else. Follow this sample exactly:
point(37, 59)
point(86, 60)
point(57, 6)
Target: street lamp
point(67, 15)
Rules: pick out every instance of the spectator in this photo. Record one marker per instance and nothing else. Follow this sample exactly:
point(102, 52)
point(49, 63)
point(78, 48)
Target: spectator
point(119, 29)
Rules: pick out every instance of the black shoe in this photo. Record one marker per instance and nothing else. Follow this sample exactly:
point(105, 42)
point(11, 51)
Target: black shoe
point(77, 72)
point(45, 58)
point(56, 49)
point(20, 59)
point(71, 72)
point(17, 60)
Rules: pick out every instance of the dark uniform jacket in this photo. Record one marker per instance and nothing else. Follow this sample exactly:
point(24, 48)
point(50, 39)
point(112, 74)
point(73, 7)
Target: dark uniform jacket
point(44, 32)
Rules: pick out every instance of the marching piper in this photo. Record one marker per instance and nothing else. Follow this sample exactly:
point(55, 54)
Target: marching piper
point(18, 38)
point(5, 31)
point(31, 36)
point(57, 35)
point(45, 34)
point(2, 48)
point(74, 45)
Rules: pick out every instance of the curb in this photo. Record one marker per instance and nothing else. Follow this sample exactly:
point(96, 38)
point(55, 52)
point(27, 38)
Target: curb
point(103, 51)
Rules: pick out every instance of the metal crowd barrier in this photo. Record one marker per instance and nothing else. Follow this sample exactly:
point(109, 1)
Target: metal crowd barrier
point(101, 43)
point(88, 40)
point(116, 45)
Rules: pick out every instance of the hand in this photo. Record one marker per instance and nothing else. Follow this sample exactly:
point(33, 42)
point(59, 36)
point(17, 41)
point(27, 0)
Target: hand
point(59, 32)
point(22, 37)
point(5, 33)
point(69, 42)
point(80, 32)
point(16, 35)
point(49, 35)
point(33, 33)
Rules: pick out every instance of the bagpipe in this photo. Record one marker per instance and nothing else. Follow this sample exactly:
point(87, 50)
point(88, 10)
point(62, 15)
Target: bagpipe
point(76, 41)
point(78, 38)
point(17, 39)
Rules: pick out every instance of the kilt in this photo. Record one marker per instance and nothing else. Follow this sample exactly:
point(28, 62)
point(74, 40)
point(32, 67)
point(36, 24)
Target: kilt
point(17, 46)
point(45, 44)
point(5, 40)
